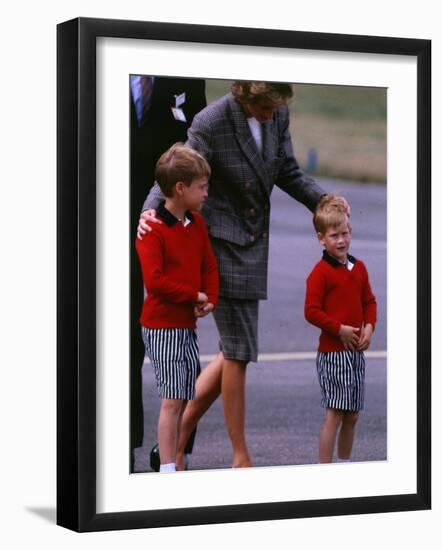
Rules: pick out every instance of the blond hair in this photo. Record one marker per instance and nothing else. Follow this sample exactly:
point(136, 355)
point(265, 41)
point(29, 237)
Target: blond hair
point(330, 212)
point(180, 163)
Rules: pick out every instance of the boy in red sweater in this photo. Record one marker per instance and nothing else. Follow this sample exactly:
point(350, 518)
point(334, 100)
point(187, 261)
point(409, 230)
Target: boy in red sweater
point(181, 278)
point(340, 302)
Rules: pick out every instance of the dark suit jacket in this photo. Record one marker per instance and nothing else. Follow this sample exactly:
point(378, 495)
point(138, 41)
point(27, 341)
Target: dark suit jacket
point(237, 210)
point(161, 130)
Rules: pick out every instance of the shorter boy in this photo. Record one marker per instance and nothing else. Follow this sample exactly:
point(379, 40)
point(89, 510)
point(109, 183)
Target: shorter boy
point(340, 302)
point(181, 278)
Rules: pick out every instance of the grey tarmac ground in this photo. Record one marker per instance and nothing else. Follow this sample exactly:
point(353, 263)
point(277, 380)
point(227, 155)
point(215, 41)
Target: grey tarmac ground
point(283, 401)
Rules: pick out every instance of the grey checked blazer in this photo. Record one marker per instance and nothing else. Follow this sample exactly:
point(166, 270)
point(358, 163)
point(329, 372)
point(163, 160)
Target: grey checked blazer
point(237, 210)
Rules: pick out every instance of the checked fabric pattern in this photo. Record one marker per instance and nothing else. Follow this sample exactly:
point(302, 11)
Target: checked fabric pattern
point(237, 211)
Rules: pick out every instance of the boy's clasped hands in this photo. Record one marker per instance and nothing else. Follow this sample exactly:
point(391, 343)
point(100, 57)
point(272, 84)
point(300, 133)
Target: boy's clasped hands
point(202, 307)
point(352, 340)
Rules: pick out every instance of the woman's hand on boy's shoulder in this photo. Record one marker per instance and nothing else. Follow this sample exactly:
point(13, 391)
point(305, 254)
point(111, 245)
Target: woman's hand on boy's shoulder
point(146, 217)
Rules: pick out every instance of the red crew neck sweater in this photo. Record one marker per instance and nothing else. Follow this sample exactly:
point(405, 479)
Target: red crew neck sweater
point(336, 296)
point(177, 262)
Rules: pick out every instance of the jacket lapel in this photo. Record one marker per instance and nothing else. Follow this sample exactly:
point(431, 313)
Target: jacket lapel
point(248, 146)
point(268, 141)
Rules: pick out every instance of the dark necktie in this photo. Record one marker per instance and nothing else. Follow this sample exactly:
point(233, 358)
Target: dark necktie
point(144, 101)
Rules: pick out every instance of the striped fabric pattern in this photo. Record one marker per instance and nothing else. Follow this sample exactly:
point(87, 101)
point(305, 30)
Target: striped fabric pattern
point(174, 355)
point(341, 377)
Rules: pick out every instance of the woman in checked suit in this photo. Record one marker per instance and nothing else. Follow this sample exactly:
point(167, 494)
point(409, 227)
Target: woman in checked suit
point(246, 140)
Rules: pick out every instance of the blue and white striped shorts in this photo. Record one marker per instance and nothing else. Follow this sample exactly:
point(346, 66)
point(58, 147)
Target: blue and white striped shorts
point(174, 355)
point(341, 377)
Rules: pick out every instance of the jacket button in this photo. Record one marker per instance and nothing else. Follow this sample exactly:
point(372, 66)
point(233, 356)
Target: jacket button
point(252, 238)
point(252, 212)
point(247, 185)
point(264, 235)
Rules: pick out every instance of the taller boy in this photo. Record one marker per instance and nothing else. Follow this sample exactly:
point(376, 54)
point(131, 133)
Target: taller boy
point(181, 278)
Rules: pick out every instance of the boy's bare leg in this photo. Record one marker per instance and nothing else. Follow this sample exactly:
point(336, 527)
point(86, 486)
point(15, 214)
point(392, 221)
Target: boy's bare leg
point(328, 433)
point(208, 388)
point(168, 425)
point(183, 408)
point(346, 434)
point(233, 394)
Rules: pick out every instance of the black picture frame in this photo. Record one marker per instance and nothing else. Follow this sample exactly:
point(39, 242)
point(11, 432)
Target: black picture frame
point(76, 274)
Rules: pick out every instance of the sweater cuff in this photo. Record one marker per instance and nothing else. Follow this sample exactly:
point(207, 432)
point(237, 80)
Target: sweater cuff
point(189, 295)
point(335, 328)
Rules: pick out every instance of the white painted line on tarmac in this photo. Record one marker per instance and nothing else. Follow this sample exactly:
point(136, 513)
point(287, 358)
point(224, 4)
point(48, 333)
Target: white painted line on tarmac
point(295, 356)
point(300, 356)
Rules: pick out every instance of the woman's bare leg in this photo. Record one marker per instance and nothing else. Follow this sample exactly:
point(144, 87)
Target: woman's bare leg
point(208, 388)
point(233, 394)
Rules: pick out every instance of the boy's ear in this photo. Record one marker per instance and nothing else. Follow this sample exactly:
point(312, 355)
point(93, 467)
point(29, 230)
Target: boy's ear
point(320, 238)
point(179, 187)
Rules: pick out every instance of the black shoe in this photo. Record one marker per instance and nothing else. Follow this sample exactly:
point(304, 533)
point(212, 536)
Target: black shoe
point(155, 458)
point(132, 464)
